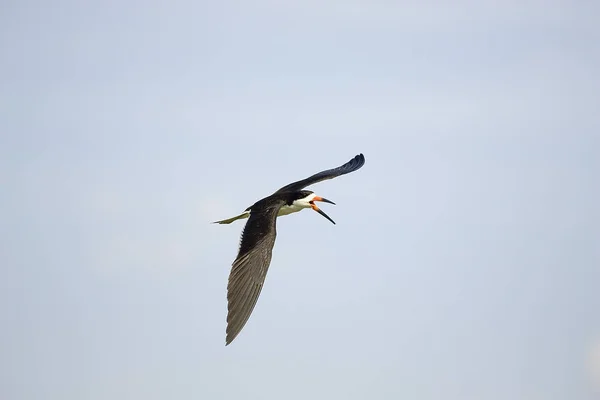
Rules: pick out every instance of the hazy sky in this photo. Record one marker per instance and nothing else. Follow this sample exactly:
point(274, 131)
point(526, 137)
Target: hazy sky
point(465, 263)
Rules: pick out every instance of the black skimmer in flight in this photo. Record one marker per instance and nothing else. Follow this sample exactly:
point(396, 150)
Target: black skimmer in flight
point(250, 267)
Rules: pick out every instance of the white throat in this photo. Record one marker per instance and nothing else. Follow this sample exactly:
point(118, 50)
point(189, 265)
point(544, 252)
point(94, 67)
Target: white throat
point(297, 205)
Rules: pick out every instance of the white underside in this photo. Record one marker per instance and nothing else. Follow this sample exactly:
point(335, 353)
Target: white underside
point(286, 210)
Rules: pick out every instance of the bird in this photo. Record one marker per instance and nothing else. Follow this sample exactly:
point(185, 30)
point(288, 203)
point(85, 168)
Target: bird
point(249, 268)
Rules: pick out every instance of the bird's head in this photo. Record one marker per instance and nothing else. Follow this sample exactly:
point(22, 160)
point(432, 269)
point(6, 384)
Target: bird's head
point(306, 199)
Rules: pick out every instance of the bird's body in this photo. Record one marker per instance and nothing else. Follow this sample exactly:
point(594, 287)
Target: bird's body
point(286, 209)
point(250, 267)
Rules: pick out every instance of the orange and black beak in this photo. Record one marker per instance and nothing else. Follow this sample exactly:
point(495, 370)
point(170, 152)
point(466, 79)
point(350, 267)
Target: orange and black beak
point(317, 209)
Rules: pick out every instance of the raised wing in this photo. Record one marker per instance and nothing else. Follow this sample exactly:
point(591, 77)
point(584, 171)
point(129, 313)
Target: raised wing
point(249, 269)
point(350, 166)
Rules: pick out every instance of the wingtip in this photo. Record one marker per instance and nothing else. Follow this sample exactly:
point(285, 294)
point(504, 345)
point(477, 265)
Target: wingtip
point(229, 339)
point(357, 162)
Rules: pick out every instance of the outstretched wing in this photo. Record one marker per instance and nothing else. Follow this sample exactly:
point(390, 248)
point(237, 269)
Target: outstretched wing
point(350, 166)
point(249, 269)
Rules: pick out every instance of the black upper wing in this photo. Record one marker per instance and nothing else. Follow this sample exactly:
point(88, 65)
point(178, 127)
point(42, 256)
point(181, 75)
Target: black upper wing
point(350, 166)
point(249, 269)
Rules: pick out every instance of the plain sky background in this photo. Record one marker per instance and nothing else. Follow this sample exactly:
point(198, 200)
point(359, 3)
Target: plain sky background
point(465, 259)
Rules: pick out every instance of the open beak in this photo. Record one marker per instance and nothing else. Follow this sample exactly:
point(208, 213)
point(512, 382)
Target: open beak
point(318, 198)
point(317, 209)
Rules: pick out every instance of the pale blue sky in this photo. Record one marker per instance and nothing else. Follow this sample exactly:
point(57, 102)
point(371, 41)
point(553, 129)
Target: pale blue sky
point(465, 259)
